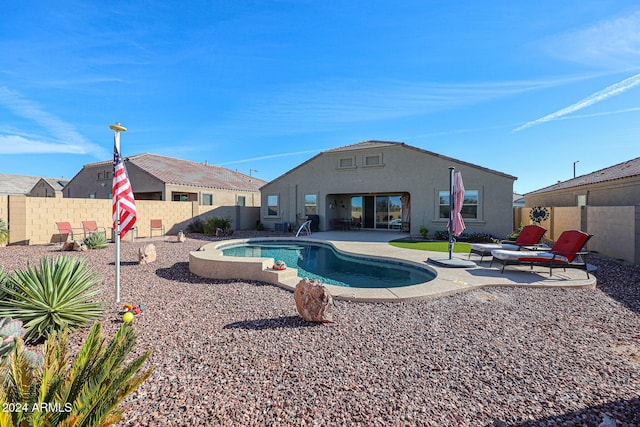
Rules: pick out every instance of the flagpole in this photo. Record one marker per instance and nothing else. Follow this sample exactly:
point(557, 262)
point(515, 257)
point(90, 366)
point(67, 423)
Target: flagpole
point(117, 128)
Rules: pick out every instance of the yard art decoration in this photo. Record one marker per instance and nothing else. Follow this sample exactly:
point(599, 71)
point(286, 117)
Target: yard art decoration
point(130, 311)
point(280, 265)
point(538, 214)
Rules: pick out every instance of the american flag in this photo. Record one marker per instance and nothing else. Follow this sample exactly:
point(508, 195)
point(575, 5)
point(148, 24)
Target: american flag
point(121, 192)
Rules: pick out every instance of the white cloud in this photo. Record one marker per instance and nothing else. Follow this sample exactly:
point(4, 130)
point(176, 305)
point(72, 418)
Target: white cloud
point(613, 90)
point(65, 137)
point(272, 156)
point(610, 43)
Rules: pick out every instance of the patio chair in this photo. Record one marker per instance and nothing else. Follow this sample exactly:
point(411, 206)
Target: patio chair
point(565, 253)
point(156, 225)
point(90, 227)
point(529, 238)
point(64, 228)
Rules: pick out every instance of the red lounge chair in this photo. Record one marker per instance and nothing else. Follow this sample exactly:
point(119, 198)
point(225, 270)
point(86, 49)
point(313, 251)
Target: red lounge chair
point(565, 253)
point(90, 227)
point(529, 237)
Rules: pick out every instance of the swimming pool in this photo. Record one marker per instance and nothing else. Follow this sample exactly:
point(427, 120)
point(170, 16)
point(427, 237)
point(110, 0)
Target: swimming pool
point(324, 263)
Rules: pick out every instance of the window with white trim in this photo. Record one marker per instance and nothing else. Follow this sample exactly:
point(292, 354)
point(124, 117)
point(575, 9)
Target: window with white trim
point(273, 208)
point(469, 205)
point(310, 204)
point(373, 160)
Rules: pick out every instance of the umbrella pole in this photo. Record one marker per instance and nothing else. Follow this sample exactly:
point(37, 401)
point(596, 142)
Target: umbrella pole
point(451, 169)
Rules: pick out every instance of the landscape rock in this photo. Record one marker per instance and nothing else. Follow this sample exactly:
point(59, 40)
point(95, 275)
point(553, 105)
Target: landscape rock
point(147, 254)
point(313, 301)
point(74, 245)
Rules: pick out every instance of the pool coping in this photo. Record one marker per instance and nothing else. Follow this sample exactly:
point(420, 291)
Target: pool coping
point(209, 262)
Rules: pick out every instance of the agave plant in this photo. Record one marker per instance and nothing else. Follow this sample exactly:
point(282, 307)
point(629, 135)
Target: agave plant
point(60, 294)
point(95, 241)
point(85, 393)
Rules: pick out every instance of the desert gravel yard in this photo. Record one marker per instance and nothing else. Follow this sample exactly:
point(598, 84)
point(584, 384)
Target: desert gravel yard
point(236, 353)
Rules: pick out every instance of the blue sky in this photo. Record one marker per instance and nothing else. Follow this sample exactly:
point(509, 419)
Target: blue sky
point(525, 88)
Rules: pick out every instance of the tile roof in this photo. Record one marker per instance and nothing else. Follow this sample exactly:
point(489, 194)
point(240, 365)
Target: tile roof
point(364, 144)
point(627, 169)
point(379, 144)
point(22, 184)
point(56, 183)
point(184, 172)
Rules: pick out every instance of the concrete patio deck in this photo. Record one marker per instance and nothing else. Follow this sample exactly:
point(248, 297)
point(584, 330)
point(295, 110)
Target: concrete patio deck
point(375, 244)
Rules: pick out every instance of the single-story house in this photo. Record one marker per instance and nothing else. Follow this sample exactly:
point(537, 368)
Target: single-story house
point(382, 185)
point(155, 177)
point(48, 187)
point(617, 185)
point(28, 185)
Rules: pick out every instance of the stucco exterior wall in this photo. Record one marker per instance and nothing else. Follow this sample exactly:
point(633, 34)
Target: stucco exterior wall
point(403, 169)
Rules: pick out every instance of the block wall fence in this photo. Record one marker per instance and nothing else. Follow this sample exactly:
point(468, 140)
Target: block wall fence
point(615, 229)
point(32, 220)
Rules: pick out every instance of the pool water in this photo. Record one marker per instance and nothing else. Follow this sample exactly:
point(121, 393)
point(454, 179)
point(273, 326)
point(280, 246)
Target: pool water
point(322, 262)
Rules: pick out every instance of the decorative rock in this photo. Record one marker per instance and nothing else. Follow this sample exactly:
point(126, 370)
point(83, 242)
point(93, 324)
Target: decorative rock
point(313, 301)
point(73, 245)
point(147, 255)
point(181, 237)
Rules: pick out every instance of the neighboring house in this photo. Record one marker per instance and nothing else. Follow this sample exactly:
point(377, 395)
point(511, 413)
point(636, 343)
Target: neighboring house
point(518, 200)
point(155, 177)
point(48, 187)
point(22, 184)
point(387, 186)
point(617, 185)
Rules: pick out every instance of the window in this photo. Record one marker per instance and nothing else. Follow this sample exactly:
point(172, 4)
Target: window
point(346, 163)
point(310, 204)
point(207, 199)
point(469, 205)
point(242, 201)
point(272, 205)
point(180, 197)
point(375, 160)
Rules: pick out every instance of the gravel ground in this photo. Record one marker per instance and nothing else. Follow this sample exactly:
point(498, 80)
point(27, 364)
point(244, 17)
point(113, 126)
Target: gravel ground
point(236, 353)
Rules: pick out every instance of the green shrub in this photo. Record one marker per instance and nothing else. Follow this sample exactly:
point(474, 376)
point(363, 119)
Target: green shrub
point(260, 226)
point(58, 295)
point(514, 235)
point(83, 393)
point(4, 232)
point(213, 223)
point(423, 232)
point(442, 235)
point(95, 241)
point(196, 226)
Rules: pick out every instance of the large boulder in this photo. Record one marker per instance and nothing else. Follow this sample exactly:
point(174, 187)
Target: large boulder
point(147, 254)
point(313, 301)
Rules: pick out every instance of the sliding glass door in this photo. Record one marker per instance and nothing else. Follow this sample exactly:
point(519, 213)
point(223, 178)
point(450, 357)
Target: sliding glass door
point(381, 212)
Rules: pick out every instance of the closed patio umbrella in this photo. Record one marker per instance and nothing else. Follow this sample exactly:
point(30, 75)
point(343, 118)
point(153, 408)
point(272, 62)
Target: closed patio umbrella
point(456, 224)
point(458, 200)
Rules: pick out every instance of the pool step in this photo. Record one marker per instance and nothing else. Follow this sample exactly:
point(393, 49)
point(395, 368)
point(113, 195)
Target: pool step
point(282, 276)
